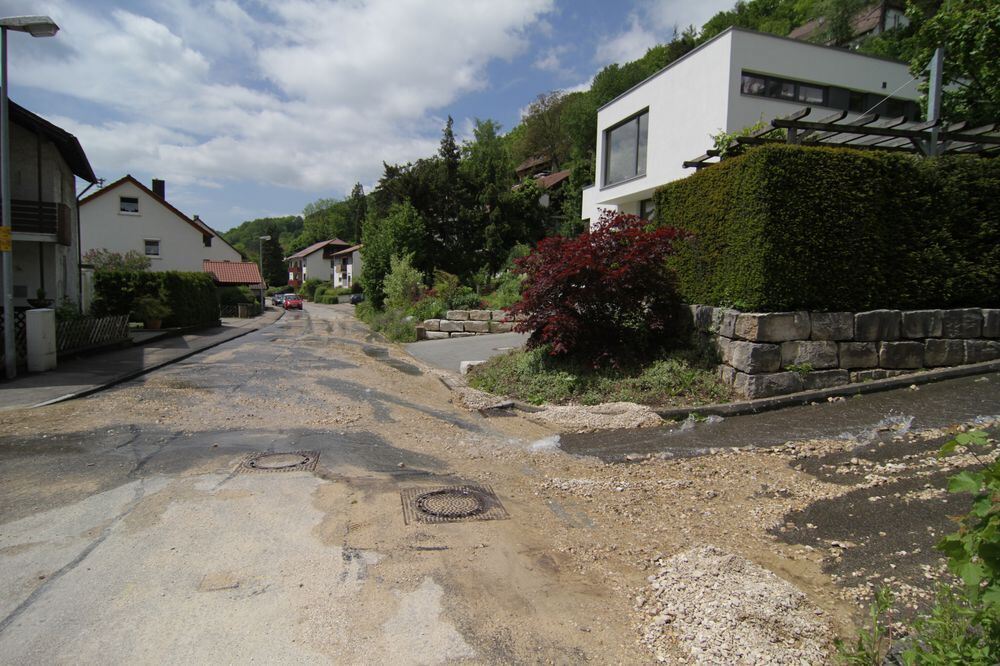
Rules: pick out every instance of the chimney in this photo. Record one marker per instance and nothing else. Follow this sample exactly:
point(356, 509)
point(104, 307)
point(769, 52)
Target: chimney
point(196, 218)
point(160, 188)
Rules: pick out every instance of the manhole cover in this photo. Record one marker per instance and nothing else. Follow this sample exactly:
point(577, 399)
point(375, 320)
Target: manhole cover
point(451, 504)
point(282, 461)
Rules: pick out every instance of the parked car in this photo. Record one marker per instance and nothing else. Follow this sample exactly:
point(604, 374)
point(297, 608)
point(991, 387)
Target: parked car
point(357, 298)
point(277, 299)
point(292, 302)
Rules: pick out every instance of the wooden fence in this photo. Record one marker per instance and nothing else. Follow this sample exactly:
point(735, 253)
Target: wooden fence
point(86, 332)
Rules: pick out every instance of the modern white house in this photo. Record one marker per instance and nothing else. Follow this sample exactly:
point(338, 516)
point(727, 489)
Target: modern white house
point(127, 215)
point(730, 82)
point(315, 262)
point(346, 266)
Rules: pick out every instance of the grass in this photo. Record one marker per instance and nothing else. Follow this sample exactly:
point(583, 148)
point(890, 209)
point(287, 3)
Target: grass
point(679, 378)
point(395, 325)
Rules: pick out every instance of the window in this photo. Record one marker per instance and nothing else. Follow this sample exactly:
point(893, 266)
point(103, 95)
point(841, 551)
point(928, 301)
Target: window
point(647, 211)
point(811, 94)
point(625, 149)
point(778, 88)
point(128, 205)
point(206, 239)
point(152, 248)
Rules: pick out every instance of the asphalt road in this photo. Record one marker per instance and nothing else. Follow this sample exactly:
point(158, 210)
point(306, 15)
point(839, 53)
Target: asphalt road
point(449, 354)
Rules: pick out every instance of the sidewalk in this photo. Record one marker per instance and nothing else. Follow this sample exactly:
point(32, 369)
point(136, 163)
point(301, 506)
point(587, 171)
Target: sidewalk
point(82, 376)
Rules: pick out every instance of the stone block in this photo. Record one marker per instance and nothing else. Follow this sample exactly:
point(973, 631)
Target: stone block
point(753, 357)
point(432, 324)
point(820, 355)
point(901, 355)
point(991, 323)
point(724, 321)
point(939, 353)
point(727, 374)
point(451, 326)
point(724, 347)
point(459, 334)
point(977, 351)
point(501, 326)
point(476, 326)
point(479, 315)
point(773, 326)
point(822, 379)
point(832, 325)
point(497, 315)
point(962, 323)
point(436, 335)
point(860, 376)
point(857, 355)
point(916, 324)
point(876, 325)
point(458, 315)
point(465, 366)
point(703, 317)
point(421, 332)
point(766, 385)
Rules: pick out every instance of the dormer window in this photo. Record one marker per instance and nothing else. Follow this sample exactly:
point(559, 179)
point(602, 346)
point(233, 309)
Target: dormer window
point(207, 240)
point(128, 205)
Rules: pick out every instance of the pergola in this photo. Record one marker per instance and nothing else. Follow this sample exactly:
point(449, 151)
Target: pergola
point(871, 132)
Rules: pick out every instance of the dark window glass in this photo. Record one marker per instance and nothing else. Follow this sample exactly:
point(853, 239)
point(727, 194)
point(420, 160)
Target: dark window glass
point(207, 240)
point(152, 248)
point(857, 102)
point(753, 85)
point(895, 107)
point(625, 149)
point(646, 210)
point(811, 94)
point(128, 204)
point(780, 89)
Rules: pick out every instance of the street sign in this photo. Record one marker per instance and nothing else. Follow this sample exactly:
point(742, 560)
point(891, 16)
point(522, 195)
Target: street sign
point(5, 244)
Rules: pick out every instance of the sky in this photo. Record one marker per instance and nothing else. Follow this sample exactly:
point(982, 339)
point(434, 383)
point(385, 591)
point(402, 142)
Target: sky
point(255, 108)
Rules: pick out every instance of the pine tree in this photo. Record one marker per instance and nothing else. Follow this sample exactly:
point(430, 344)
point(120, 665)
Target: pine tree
point(272, 260)
point(358, 209)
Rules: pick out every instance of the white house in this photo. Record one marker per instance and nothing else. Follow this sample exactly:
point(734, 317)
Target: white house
point(346, 266)
point(315, 262)
point(127, 215)
point(732, 81)
point(45, 161)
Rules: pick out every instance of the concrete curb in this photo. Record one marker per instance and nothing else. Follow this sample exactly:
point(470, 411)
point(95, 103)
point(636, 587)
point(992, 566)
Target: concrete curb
point(138, 373)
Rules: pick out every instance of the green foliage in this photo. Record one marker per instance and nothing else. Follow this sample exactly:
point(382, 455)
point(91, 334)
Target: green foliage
point(246, 237)
point(150, 308)
point(791, 227)
point(273, 259)
point(107, 260)
point(401, 231)
point(507, 292)
point(403, 284)
point(236, 295)
point(308, 288)
point(955, 631)
point(537, 377)
point(394, 324)
point(191, 297)
point(543, 134)
point(873, 641)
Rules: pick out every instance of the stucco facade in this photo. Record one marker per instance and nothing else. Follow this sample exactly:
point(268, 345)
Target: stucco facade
point(127, 215)
point(315, 262)
point(346, 267)
point(703, 92)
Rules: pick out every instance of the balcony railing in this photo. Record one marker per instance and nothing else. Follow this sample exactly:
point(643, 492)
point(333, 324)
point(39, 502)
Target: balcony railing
point(42, 217)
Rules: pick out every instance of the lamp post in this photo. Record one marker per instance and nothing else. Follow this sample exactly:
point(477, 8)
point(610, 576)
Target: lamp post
point(36, 26)
point(260, 258)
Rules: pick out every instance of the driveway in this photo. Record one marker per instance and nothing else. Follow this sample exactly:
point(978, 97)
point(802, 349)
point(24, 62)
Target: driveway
point(449, 354)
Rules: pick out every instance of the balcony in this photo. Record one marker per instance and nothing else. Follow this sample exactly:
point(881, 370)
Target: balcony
point(42, 217)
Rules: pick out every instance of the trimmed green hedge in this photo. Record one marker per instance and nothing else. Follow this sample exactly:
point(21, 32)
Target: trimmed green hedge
point(192, 297)
point(792, 227)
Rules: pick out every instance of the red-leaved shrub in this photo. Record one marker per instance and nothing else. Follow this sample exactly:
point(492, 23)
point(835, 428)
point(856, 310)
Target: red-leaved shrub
point(603, 297)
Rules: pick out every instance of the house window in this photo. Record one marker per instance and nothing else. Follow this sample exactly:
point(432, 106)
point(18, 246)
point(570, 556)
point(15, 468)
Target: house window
point(128, 205)
point(778, 88)
point(647, 211)
point(152, 248)
point(206, 239)
point(625, 149)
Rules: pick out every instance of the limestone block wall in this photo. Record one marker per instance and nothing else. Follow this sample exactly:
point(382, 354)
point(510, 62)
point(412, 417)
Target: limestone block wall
point(774, 353)
point(462, 323)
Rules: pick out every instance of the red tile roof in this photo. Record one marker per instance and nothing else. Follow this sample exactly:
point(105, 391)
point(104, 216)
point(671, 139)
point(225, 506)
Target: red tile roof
point(316, 246)
point(550, 180)
point(233, 272)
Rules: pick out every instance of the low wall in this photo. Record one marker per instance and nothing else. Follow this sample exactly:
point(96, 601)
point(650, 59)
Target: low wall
point(463, 323)
point(775, 353)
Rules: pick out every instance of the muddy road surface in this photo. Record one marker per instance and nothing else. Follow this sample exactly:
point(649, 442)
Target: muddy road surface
point(284, 498)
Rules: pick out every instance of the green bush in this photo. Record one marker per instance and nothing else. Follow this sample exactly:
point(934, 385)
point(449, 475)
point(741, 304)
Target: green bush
point(428, 308)
point(507, 293)
point(403, 284)
point(191, 297)
point(236, 295)
point(308, 288)
point(394, 324)
point(792, 227)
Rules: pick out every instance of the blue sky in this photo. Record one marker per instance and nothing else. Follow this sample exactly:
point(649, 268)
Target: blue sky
point(249, 108)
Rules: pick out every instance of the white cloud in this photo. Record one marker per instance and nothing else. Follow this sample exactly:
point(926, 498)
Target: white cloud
point(551, 60)
point(311, 94)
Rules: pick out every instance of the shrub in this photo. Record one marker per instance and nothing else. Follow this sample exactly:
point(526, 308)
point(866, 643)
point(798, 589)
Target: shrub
point(308, 288)
point(403, 284)
point(604, 296)
point(429, 307)
point(507, 293)
point(236, 295)
point(394, 324)
point(109, 260)
point(191, 297)
point(792, 227)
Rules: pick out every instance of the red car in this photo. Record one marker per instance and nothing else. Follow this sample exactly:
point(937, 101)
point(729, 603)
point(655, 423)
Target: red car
point(292, 301)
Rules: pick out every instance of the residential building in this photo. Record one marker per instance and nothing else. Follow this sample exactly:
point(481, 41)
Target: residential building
point(871, 20)
point(45, 161)
point(736, 79)
point(346, 266)
point(314, 262)
point(127, 215)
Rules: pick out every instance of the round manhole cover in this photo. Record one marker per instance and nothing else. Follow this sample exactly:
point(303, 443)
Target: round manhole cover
point(450, 503)
point(280, 461)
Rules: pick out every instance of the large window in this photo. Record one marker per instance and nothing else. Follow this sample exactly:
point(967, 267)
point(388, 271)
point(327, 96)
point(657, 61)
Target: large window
point(772, 86)
point(625, 149)
point(835, 97)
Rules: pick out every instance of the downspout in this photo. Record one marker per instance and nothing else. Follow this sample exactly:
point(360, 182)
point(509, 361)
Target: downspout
point(79, 246)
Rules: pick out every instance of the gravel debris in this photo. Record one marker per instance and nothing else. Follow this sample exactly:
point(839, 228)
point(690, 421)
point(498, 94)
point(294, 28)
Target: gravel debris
point(720, 608)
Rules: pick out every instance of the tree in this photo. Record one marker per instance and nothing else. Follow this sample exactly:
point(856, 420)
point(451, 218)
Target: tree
point(272, 259)
point(108, 260)
point(401, 232)
point(543, 133)
point(357, 208)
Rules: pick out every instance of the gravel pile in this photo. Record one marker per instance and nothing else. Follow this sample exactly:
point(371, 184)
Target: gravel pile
point(711, 607)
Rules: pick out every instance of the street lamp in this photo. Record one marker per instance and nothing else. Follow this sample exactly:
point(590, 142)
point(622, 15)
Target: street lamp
point(260, 258)
point(36, 26)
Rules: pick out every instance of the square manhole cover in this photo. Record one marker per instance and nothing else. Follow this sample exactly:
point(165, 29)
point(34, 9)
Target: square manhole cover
point(451, 504)
point(280, 461)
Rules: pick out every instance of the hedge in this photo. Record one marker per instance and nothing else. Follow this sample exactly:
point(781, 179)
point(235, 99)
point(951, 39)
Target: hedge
point(792, 227)
point(192, 297)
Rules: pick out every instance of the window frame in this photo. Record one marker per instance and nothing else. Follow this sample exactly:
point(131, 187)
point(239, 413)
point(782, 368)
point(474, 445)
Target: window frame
point(122, 211)
point(606, 158)
point(779, 83)
point(146, 244)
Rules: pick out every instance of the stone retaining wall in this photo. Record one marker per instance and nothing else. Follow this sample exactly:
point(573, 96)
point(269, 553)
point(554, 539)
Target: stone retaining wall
point(774, 353)
point(463, 323)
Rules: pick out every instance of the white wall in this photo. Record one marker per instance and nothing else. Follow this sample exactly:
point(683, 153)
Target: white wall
point(103, 225)
point(316, 267)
